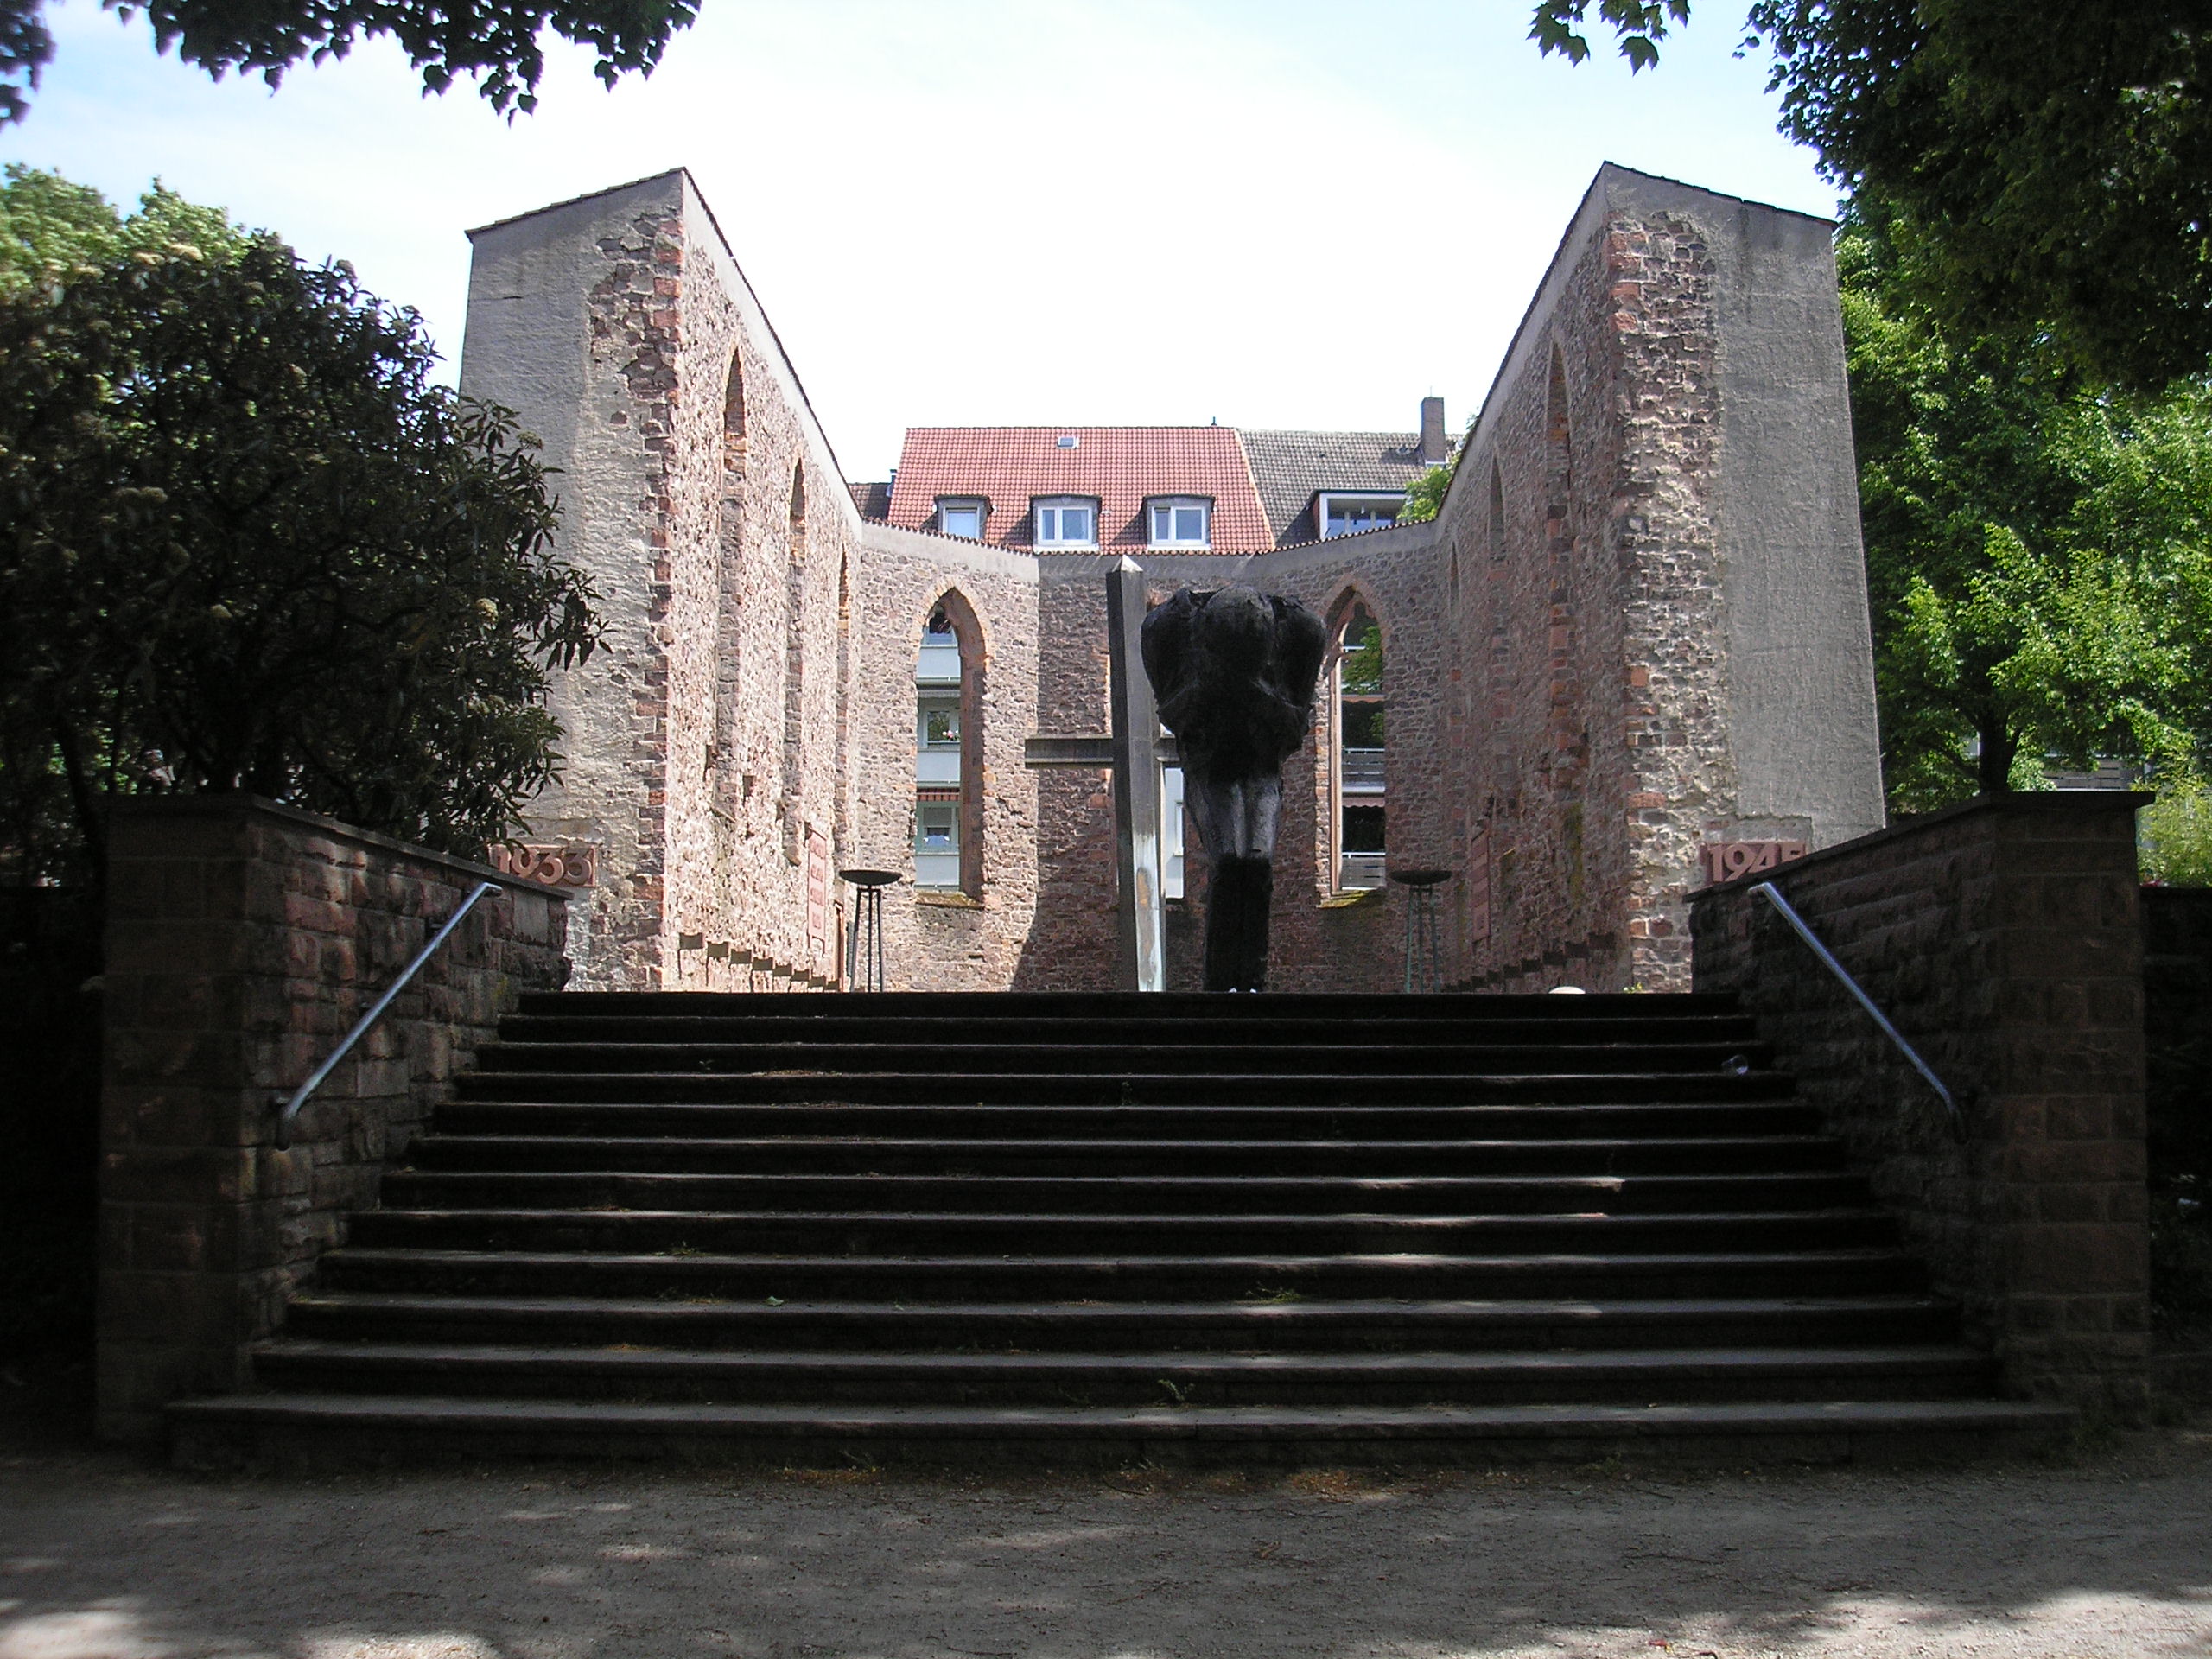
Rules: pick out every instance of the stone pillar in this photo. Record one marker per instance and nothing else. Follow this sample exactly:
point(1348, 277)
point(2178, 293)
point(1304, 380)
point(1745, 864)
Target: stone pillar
point(244, 940)
point(2004, 939)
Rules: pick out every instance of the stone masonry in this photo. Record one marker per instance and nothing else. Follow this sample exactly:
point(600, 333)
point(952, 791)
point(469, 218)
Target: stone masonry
point(2004, 939)
point(244, 940)
point(1637, 627)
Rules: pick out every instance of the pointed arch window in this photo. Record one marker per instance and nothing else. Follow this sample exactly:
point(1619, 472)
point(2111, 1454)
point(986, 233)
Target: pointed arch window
point(949, 750)
point(734, 413)
point(1361, 812)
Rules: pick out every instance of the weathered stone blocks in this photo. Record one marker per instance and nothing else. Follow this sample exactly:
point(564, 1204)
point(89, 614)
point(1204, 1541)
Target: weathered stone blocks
point(2036, 1219)
point(244, 940)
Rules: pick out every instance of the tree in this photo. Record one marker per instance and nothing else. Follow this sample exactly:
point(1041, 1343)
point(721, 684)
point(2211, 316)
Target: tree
point(247, 544)
point(52, 232)
point(2038, 551)
point(1424, 495)
point(497, 42)
point(2055, 166)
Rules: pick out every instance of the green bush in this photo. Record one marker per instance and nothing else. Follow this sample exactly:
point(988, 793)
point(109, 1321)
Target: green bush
point(2175, 835)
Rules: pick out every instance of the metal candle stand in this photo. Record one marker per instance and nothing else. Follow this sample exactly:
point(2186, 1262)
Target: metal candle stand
point(1424, 961)
point(864, 953)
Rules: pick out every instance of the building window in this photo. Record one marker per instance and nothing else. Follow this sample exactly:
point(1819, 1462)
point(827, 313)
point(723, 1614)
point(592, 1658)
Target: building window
point(1181, 521)
point(937, 739)
point(1343, 514)
point(948, 755)
point(963, 515)
point(937, 843)
point(1361, 809)
point(940, 663)
point(1066, 521)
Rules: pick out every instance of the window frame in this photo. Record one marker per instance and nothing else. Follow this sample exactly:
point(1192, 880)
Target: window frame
point(1041, 505)
point(1172, 504)
point(947, 505)
point(1322, 500)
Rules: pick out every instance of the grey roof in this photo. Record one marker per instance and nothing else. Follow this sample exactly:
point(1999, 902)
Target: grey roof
point(873, 499)
point(1289, 468)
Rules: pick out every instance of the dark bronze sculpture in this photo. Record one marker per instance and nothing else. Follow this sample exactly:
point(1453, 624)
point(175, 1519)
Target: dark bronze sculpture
point(1233, 672)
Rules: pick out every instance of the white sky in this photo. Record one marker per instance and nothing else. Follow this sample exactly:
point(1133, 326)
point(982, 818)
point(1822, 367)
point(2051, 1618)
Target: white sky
point(1275, 212)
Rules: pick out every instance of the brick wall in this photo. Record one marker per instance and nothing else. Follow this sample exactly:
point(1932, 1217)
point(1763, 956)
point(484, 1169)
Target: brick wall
point(2004, 938)
point(243, 941)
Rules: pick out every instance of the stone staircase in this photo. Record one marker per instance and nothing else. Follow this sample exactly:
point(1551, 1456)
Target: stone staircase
point(1053, 1231)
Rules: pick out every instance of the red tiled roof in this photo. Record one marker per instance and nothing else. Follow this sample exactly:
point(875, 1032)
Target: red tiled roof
point(1118, 465)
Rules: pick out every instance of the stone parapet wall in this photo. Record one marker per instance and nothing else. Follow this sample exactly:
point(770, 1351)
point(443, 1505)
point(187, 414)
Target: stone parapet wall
point(244, 940)
point(2004, 938)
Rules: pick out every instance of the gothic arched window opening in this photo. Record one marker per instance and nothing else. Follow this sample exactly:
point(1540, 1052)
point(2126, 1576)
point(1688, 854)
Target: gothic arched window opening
point(1361, 812)
point(948, 750)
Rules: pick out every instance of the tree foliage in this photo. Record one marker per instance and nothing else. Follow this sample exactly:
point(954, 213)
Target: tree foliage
point(2039, 551)
point(496, 42)
point(1424, 495)
point(1638, 25)
point(52, 232)
point(248, 545)
point(2055, 166)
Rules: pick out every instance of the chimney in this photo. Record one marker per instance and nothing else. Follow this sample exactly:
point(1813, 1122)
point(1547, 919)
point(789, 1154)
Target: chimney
point(1433, 449)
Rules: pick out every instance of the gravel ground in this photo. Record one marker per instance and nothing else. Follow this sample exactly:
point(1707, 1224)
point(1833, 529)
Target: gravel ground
point(2108, 1553)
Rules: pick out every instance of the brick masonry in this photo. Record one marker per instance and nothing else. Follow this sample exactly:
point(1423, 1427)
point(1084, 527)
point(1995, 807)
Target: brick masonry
point(2004, 939)
point(243, 941)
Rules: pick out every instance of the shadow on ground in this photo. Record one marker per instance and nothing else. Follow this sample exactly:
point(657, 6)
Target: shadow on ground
point(105, 1556)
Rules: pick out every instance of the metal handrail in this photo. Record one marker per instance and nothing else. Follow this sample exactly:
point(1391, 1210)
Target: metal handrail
point(291, 1112)
point(1767, 891)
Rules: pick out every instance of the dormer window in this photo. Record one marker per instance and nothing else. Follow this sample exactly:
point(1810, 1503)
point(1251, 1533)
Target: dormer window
point(1180, 521)
point(1342, 514)
point(963, 515)
point(1066, 521)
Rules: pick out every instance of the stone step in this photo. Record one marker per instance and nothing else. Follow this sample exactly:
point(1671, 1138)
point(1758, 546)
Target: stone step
point(868, 1233)
point(1368, 1121)
point(428, 1265)
point(1300, 1057)
point(1676, 1375)
point(836, 1021)
point(336, 1429)
point(1058, 1230)
point(799, 1154)
point(1312, 1324)
point(1219, 1197)
point(1116, 1081)
point(1077, 1008)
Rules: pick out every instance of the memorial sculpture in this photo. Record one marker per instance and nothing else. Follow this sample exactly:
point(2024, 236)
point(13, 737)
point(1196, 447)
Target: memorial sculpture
point(1233, 672)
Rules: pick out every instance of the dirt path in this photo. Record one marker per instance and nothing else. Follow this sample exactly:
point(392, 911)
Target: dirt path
point(2112, 1555)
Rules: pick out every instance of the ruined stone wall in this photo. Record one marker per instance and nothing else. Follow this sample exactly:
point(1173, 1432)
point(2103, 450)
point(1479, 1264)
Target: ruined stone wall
point(762, 546)
point(1666, 643)
point(1590, 640)
point(704, 754)
point(1071, 946)
point(1638, 626)
point(963, 941)
point(1324, 940)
